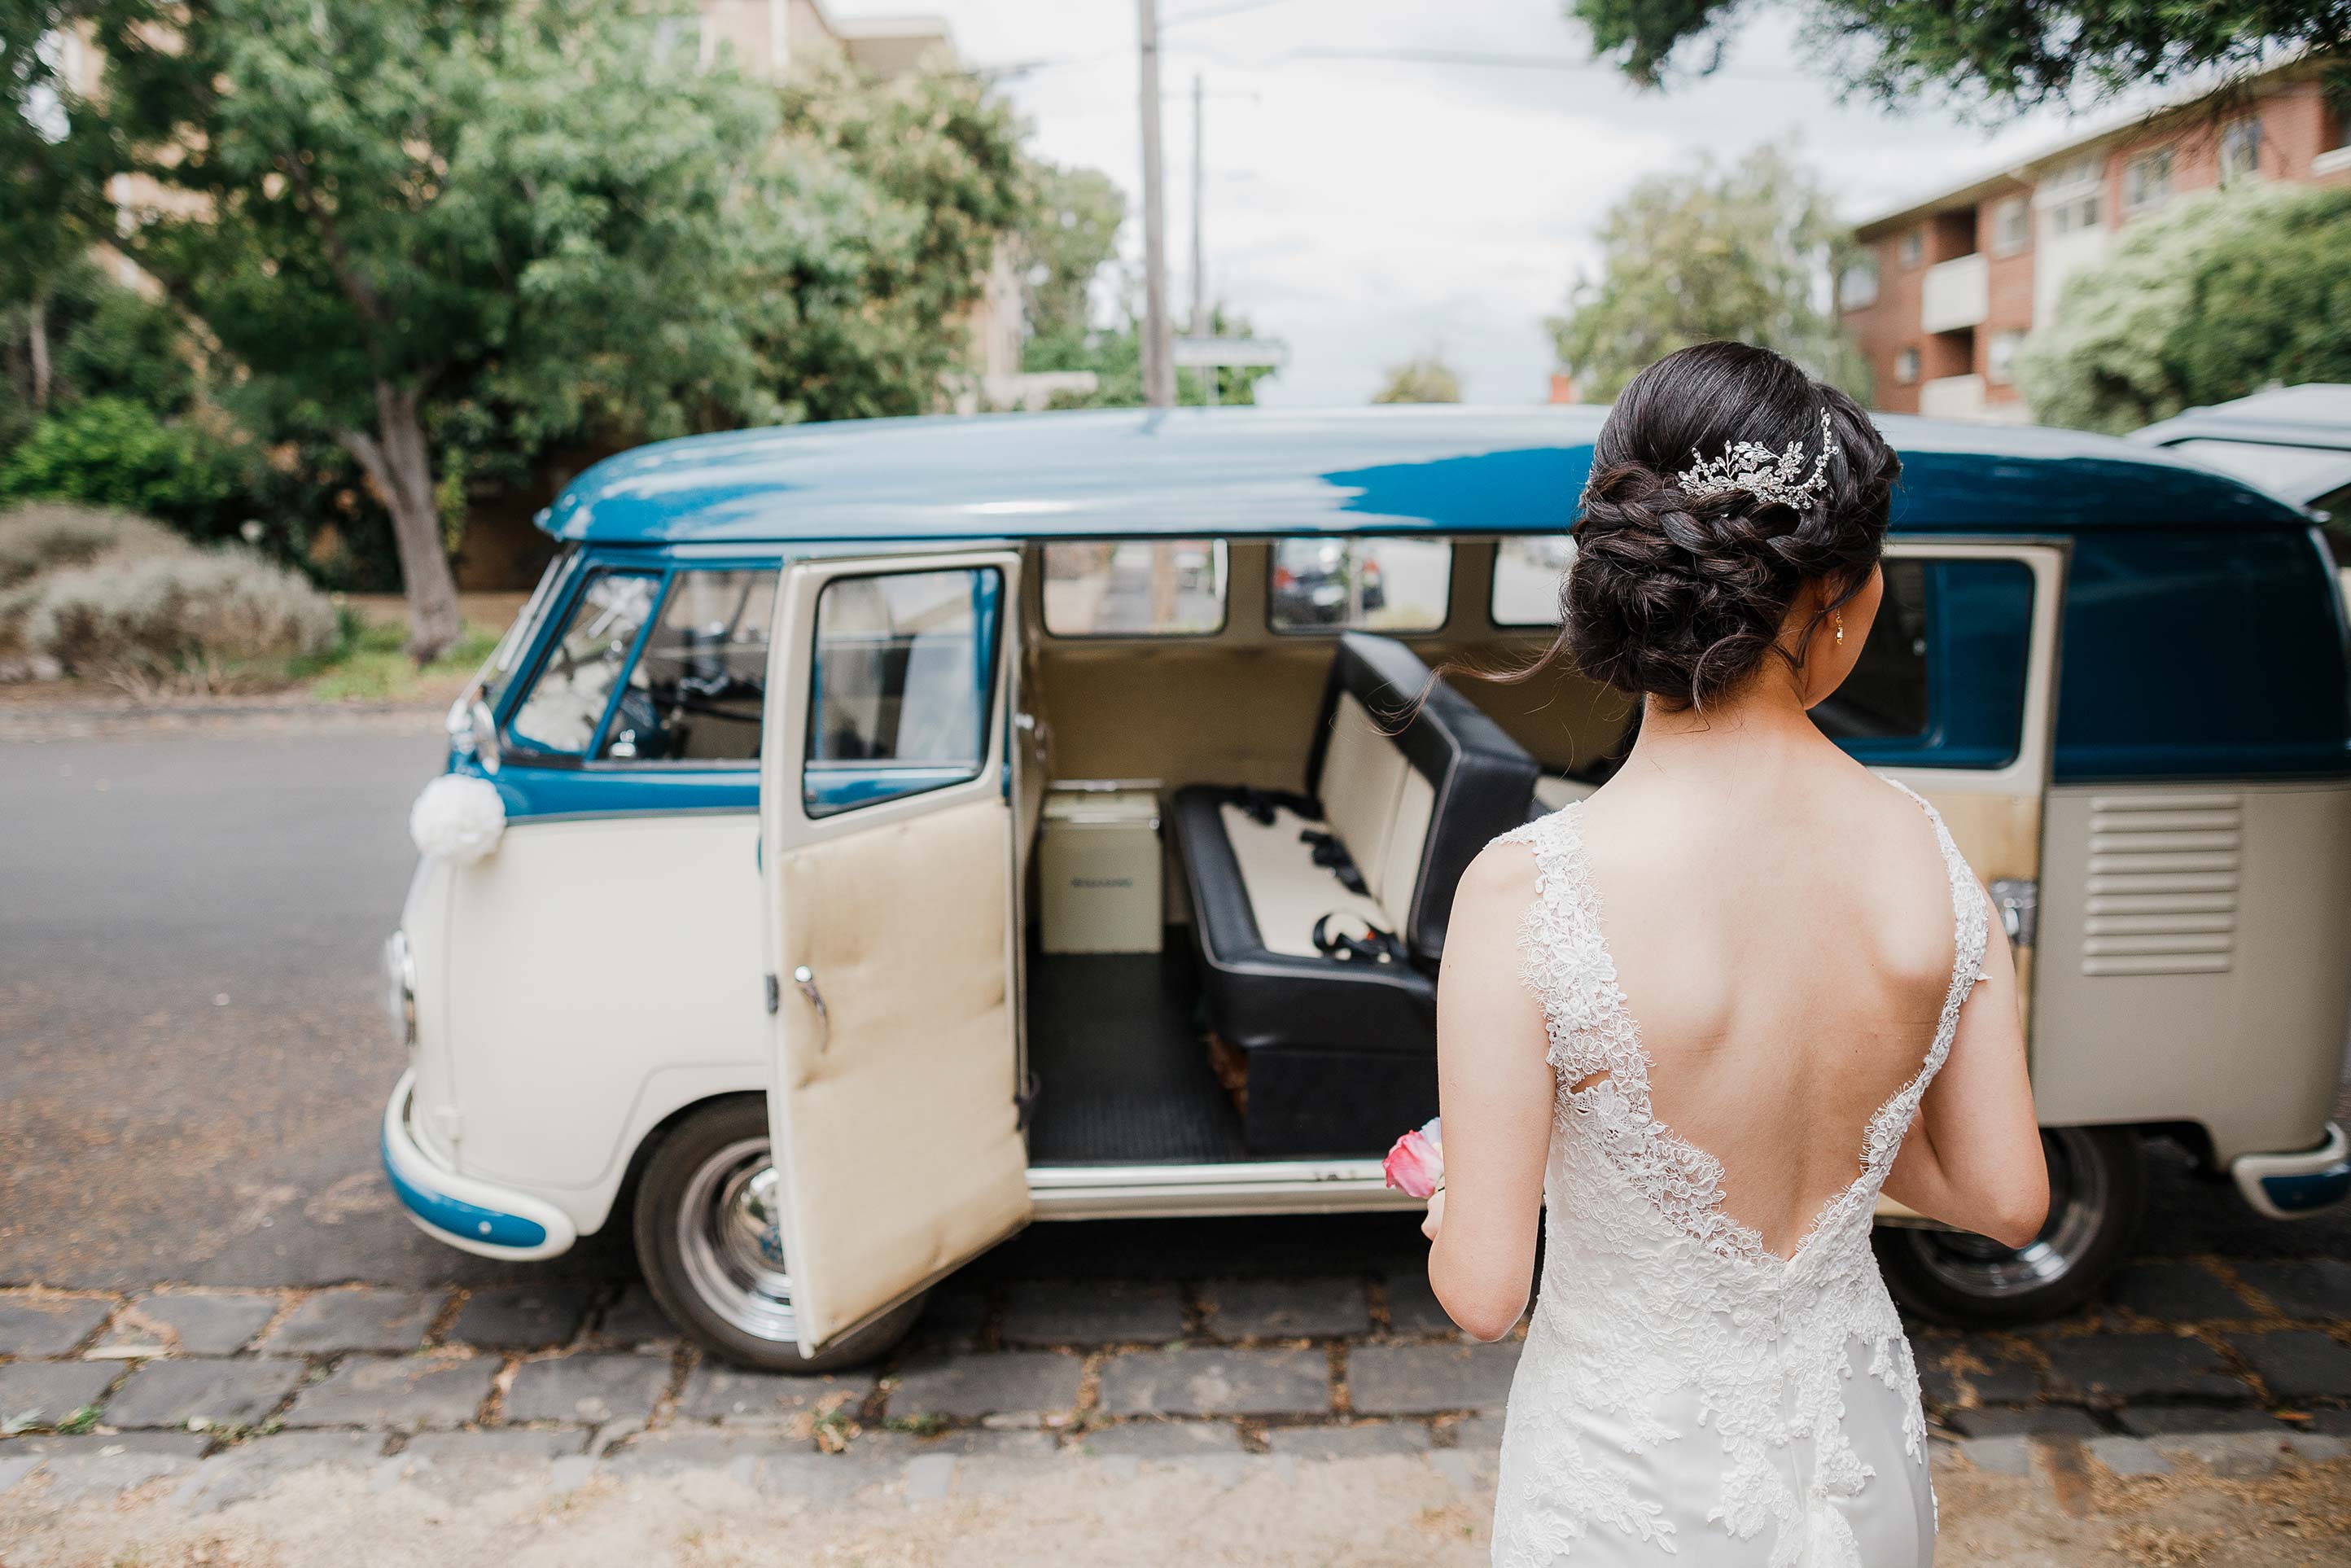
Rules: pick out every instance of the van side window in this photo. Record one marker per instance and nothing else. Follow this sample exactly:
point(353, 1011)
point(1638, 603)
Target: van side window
point(1527, 573)
point(566, 703)
point(901, 677)
point(697, 689)
point(1885, 696)
point(1941, 683)
point(1379, 584)
point(1135, 588)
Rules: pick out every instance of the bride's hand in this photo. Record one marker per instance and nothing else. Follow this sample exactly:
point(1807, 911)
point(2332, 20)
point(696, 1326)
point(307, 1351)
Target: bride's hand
point(1435, 1221)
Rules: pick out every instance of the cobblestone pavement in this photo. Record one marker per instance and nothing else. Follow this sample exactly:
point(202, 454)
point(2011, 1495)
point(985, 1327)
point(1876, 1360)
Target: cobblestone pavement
point(2195, 1368)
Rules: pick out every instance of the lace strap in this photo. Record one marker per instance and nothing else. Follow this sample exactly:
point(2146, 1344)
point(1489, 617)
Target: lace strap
point(1561, 958)
point(1971, 935)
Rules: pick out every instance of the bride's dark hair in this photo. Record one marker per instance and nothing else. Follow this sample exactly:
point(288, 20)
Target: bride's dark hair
point(1682, 597)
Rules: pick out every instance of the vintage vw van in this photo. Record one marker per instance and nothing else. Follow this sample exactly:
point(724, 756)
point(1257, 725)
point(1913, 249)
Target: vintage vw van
point(912, 829)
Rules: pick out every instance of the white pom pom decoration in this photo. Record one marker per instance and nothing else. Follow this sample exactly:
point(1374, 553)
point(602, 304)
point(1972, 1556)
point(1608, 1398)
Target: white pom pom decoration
point(457, 818)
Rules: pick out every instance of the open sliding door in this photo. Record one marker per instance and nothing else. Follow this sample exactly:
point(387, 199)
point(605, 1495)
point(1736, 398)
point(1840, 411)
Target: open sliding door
point(1956, 696)
point(888, 863)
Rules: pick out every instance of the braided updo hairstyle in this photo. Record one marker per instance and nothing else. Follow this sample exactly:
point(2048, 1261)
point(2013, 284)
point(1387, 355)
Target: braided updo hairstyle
point(1683, 597)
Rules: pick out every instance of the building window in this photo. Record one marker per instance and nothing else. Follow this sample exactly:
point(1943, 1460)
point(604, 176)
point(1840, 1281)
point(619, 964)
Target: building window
point(1999, 356)
point(2073, 197)
point(2146, 181)
point(1914, 247)
point(1858, 287)
point(2240, 150)
point(1905, 366)
point(2012, 226)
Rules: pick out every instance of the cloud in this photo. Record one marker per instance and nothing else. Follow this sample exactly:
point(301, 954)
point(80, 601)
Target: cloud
point(1368, 209)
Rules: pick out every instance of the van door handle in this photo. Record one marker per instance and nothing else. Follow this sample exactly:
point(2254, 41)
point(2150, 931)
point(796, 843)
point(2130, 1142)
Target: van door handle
point(805, 978)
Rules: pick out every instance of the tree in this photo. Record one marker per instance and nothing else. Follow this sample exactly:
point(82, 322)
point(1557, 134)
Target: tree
point(2014, 53)
point(1070, 235)
point(443, 229)
point(1742, 253)
point(2210, 298)
point(1114, 354)
point(55, 157)
point(1426, 378)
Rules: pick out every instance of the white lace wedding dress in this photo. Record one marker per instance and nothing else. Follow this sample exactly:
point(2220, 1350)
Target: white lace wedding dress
point(1684, 1390)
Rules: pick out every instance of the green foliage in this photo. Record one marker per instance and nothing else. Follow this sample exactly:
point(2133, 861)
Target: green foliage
point(2209, 299)
point(1115, 357)
point(110, 452)
point(1069, 235)
point(1738, 253)
point(2014, 53)
point(130, 347)
point(370, 662)
point(103, 340)
point(1426, 378)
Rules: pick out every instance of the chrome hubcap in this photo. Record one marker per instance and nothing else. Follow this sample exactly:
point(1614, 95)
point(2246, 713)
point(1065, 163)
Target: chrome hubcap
point(730, 1237)
point(1979, 1267)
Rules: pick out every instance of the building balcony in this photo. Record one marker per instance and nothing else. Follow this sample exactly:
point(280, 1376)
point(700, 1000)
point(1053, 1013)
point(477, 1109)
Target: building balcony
point(1958, 294)
point(1952, 397)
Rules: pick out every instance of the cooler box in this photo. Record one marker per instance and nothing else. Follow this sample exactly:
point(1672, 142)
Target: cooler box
point(1098, 861)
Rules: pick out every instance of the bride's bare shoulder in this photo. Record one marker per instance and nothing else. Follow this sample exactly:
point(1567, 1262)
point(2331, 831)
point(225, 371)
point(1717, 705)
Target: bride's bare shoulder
point(1502, 878)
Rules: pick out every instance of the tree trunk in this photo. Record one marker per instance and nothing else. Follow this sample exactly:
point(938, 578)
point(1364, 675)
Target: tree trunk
point(400, 466)
point(37, 330)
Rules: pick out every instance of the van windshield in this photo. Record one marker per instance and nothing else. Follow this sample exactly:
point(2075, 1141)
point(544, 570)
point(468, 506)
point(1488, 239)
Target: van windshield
point(497, 672)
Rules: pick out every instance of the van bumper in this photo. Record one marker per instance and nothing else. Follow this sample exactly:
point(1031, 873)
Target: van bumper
point(2288, 1186)
point(468, 1214)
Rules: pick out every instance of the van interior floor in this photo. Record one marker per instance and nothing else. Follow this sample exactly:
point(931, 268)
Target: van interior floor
point(1122, 1062)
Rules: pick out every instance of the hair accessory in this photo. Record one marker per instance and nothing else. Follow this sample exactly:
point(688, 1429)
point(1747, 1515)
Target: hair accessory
point(1772, 478)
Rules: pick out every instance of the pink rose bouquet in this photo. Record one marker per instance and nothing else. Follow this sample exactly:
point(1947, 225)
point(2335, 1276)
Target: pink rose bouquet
point(1417, 1165)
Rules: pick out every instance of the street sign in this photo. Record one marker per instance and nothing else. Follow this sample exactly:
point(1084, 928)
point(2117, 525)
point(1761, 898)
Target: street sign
point(1199, 354)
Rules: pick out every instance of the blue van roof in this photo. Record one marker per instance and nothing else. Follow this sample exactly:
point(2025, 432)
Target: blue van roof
point(1438, 469)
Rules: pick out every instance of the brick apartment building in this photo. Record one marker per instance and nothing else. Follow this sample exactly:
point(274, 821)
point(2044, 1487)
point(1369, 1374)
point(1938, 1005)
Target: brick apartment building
point(1949, 285)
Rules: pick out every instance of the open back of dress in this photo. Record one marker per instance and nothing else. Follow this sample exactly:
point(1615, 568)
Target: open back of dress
point(1684, 1388)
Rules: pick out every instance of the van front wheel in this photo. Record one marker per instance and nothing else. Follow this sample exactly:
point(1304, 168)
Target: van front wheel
point(2097, 1195)
point(709, 1238)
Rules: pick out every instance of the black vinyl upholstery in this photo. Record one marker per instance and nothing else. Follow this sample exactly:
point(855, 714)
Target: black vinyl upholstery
point(1341, 1052)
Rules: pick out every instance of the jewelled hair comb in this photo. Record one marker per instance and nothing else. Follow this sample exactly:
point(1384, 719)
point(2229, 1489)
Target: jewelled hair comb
point(1771, 477)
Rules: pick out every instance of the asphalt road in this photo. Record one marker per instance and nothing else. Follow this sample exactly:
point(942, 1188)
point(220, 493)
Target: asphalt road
point(193, 1049)
point(194, 1055)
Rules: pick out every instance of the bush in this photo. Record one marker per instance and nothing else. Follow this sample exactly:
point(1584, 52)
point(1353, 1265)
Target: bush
point(110, 452)
point(130, 614)
point(2215, 297)
point(42, 536)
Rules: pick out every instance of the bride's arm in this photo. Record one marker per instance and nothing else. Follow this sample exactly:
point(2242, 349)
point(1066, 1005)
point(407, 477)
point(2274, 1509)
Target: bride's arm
point(1973, 1156)
point(1496, 1091)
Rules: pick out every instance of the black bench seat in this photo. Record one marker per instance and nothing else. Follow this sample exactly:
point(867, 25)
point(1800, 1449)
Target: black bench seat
point(1341, 1032)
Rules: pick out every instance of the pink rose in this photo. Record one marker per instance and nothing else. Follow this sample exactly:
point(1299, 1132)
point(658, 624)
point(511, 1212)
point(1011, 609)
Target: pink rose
point(1415, 1165)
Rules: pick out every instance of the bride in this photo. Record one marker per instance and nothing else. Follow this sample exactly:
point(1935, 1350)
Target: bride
point(1704, 1017)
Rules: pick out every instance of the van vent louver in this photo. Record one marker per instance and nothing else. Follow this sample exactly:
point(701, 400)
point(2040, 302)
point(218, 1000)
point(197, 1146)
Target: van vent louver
point(2164, 877)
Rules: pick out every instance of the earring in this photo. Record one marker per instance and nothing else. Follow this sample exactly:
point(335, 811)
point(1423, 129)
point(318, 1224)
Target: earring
point(1836, 618)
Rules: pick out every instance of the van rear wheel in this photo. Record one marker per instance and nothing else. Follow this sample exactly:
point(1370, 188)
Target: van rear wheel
point(709, 1238)
point(2097, 1195)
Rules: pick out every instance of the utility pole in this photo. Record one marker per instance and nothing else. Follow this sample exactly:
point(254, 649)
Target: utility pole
point(1159, 355)
point(1201, 327)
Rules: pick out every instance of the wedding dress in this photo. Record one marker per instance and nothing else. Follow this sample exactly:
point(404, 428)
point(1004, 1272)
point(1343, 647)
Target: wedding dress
point(1684, 1390)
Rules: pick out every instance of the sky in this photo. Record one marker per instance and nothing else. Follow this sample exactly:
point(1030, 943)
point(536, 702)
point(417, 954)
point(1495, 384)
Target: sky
point(1365, 210)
